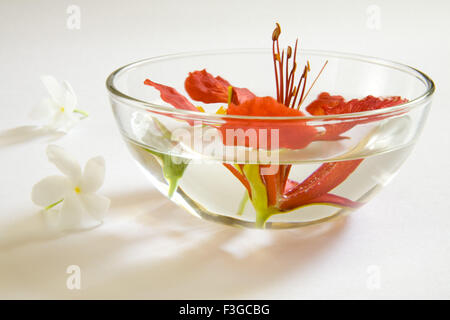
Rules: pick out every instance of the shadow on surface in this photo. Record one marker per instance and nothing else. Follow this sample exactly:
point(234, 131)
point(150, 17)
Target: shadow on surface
point(150, 248)
point(27, 133)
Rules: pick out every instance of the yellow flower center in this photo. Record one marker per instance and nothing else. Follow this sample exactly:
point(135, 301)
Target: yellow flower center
point(77, 189)
point(61, 109)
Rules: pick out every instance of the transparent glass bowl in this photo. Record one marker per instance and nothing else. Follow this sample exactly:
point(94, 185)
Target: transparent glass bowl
point(176, 150)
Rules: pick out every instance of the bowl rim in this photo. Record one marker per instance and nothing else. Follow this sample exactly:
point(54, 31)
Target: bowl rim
point(149, 106)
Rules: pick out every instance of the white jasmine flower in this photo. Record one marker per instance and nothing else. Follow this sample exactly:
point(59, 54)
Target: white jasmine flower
point(75, 191)
point(59, 110)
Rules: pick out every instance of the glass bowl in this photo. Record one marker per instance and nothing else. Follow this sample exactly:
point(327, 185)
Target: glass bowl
point(184, 155)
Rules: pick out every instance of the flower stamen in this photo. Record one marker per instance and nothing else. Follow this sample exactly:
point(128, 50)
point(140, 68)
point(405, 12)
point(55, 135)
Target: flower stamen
point(53, 204)
point(287, 93)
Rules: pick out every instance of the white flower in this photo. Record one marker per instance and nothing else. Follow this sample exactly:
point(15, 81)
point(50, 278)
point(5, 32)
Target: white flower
point(75, 192)
point(59, 110)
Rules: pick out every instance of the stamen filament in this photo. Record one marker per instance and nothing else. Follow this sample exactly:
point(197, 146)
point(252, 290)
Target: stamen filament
point(305, 78)
point(282, 78)
point(53, 204)
point(317, 77)
point(276, 71)
point(84, 113)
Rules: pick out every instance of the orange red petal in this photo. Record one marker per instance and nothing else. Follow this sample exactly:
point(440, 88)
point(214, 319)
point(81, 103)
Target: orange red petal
point(295, 134)
point(326, 104)
point(203, 86)
point(172, 96)
point(327, 177)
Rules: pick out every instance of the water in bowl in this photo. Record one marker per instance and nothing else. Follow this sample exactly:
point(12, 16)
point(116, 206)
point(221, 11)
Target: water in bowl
point(208, 190)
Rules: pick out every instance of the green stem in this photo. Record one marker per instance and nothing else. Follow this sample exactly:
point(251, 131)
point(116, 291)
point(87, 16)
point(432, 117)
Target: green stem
point(53, 204)
point(173, 168)
point(84, 113)
point(173, 185)
point(259, 195)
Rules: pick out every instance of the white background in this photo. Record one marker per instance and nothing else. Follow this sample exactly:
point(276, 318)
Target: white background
point(397, 246)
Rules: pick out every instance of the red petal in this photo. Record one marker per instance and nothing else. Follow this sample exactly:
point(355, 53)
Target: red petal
point(263, 107)
point(332, 199)
point(327, 177)
point(203, 86)
point(325, 104)
point(172, 96)
point(272, 183)
point(290, 184)
point(295, 134)
point(241, 95)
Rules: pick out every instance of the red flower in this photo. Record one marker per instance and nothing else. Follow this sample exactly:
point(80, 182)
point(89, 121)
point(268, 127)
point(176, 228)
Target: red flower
point(283, 194)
